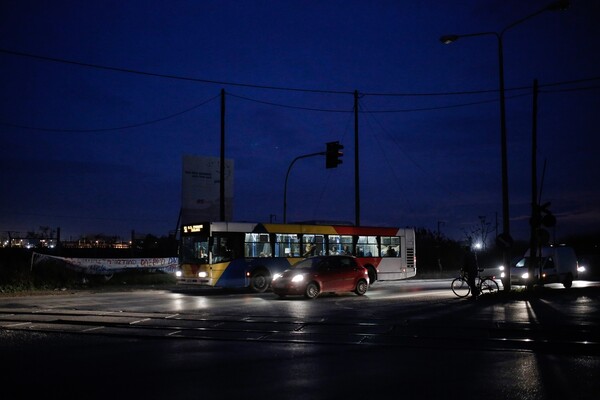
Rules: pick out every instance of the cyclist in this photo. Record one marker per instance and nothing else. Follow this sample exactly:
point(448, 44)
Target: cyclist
point(471, 268)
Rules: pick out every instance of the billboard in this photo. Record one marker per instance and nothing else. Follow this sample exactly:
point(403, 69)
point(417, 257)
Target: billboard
point(201, 188)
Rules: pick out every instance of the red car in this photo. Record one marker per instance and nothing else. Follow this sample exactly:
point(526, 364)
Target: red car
point(321, 274)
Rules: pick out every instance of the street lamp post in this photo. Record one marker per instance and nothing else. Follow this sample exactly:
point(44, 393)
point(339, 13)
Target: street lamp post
point(286, 181)
point(505, 237)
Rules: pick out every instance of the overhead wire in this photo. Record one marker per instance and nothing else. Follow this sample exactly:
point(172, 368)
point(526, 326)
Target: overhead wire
point(270, 87)
point(406, 154)
point(287, 105)
point(256, 86)
point(130, 126)
point(167, 76)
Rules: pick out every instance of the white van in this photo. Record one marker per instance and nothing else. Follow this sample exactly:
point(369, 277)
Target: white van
point(557, 265)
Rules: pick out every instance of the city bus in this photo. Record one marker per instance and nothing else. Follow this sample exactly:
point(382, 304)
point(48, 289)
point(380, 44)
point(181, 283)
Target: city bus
point(247, 255)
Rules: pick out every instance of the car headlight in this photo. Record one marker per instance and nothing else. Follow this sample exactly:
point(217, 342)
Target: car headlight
point(277, 276)
point(298, 278)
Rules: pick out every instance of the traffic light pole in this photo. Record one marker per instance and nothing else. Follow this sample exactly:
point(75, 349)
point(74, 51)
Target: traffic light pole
point(286, 181)
point(222, 168)
point(533, 242)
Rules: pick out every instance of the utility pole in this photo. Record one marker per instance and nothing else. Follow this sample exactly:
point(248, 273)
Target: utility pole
point(222, 169)
point(356, 169)
point(533, 239)
point(439, 224)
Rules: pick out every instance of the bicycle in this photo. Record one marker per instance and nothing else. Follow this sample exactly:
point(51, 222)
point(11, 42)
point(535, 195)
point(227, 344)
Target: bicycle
point(485, 284)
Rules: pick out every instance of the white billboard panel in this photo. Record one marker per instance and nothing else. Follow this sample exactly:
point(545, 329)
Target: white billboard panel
point(201, 188)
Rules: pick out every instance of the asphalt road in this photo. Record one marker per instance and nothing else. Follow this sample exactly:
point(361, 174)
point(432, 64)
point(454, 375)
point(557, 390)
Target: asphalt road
point(408, 339)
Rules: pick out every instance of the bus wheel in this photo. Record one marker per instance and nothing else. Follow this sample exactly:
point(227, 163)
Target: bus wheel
point(568, 282)
point(259, 282)
point(372, 275)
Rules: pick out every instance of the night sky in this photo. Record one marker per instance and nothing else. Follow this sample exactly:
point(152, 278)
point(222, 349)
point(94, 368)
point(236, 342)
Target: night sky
point(100, 100)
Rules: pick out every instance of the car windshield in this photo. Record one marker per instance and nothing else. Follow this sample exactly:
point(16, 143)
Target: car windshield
point(524, 262)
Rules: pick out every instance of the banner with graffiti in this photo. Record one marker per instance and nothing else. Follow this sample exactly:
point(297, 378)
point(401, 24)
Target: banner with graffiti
point(108, 266)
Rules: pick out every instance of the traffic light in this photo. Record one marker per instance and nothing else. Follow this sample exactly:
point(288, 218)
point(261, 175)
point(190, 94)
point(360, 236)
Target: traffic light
point(542, 216)
point(333, 154)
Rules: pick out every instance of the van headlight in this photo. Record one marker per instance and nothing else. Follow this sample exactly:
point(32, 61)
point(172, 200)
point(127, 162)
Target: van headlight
point(525, 275)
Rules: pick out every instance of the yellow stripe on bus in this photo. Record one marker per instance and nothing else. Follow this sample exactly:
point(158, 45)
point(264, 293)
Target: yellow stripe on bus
point(216, 270)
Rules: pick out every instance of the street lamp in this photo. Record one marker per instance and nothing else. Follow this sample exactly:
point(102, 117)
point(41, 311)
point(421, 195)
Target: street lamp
point(286, 180)
point(505, 237)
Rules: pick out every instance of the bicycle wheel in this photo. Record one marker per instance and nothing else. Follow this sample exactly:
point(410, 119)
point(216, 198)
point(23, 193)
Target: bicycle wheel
point(488, 285)
point(460, 287)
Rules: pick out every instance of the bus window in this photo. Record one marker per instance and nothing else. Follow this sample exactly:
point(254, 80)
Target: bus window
point(257, 245)
point(340, 244)
point(287, 245)
point(227, 246)
point(367, 246)
point(194, 249)
point(220, 250)
point(313, 245)
point(390, 246)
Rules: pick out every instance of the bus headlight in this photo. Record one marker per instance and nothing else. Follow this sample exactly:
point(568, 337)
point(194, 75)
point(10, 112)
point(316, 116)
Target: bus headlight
point(202, 274)
point(178, 273)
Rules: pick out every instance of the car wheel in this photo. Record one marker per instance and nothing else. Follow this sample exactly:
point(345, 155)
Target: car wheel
point(312, 290)
point(259, 282)
point(361, 287)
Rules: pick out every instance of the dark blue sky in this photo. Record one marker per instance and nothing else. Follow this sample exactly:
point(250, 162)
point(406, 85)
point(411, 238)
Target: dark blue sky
point(99, 151)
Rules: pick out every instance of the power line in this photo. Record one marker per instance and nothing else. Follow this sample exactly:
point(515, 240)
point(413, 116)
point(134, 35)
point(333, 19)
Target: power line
point(167, 76)
point(289, 106)
point(390, 111)
point(576, 89)
point(407, 155)
point(114, 128)
point(267, 87)
point(433, 108)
